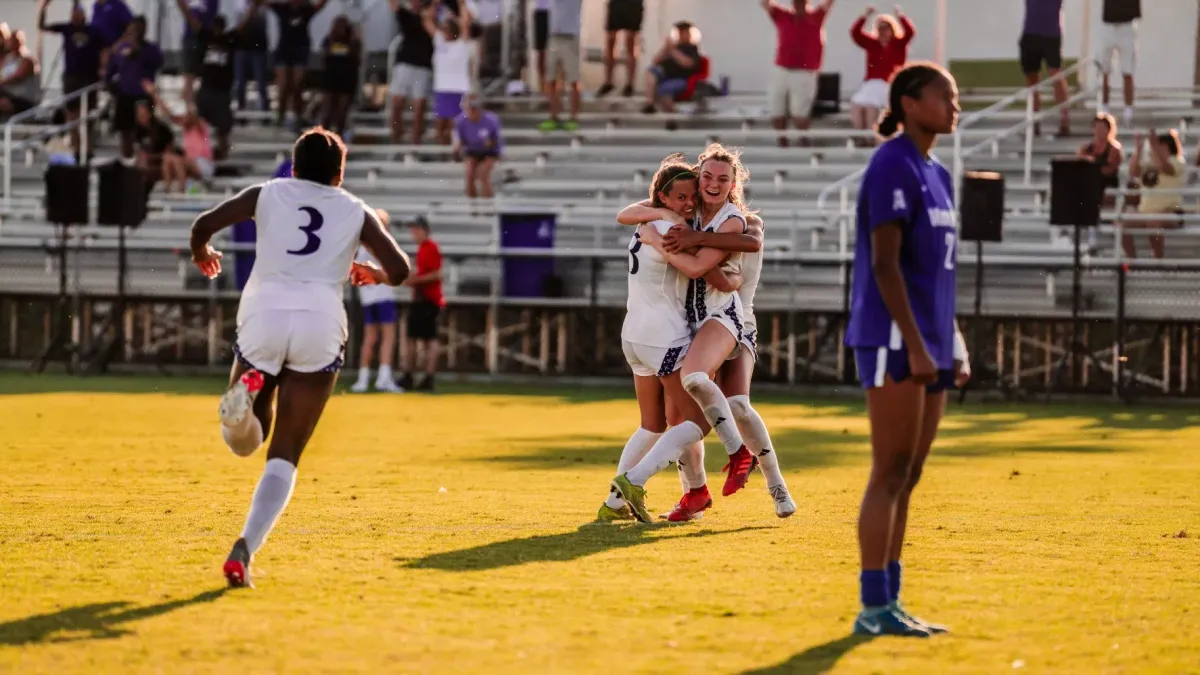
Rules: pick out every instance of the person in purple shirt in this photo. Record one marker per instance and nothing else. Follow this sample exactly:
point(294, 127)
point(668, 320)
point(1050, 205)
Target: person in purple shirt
point(1041, 43)
point(110, 18)
point(907, 347)
point(82, 44)
point(201, 13)
point(479, 141)
point(132, 67)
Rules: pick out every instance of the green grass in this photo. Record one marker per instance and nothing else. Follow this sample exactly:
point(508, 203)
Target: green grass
point(1046, 535)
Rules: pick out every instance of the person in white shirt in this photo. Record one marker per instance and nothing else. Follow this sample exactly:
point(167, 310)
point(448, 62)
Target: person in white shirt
point(379, 314)
point(291, 321)
point(453, 56)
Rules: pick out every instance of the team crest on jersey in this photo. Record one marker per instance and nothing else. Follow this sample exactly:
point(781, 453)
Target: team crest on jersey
point(898, 201)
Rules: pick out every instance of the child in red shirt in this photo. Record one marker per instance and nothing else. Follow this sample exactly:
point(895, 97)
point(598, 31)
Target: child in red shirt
point(887, 50)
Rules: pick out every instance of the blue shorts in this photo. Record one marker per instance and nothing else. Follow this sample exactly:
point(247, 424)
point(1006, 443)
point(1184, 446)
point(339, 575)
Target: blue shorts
point(379, 312)
point(875, 363)
point(668, 87)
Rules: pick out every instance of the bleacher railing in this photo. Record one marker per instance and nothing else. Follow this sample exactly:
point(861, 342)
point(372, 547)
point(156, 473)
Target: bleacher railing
point(85, 116)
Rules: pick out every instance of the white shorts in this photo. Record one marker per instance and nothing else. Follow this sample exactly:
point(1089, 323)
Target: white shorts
point(731, 319)
point(792, 92)
point(647, 361)
point(872, 94)
point(749, 341)
point(1122, 39)
point(299, 340)
point(562, 56)
point(411, 82)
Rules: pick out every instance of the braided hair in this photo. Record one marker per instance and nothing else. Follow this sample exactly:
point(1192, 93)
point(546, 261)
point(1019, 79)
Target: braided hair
point(908, 82)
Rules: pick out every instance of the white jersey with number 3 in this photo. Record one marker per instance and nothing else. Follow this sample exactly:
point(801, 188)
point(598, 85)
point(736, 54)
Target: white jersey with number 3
point(654, 311)
point(307, 235)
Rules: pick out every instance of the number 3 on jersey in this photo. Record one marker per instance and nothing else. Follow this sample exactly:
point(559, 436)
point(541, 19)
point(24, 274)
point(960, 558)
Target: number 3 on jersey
point(633, 250)
point(313, 242)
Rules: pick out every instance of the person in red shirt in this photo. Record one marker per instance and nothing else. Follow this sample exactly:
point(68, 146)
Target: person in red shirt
point(800, 49)
point(427, 304)
point(887, 50)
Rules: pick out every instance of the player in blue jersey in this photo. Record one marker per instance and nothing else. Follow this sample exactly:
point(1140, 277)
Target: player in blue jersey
point(906, 342)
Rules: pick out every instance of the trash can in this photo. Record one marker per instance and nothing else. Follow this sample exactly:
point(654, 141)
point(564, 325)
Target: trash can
point(527, 277)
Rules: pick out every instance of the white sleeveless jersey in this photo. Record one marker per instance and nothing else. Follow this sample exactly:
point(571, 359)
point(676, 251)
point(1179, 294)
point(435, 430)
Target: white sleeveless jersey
point(703, 299)
point(654, 311)
point(752, 264)
point(307, 235)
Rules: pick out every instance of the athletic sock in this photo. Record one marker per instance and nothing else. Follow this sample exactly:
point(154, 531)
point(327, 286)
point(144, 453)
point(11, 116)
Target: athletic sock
point(635, 449)
point(691, 467)
point(385, 374)
point(758, 439)
point(716, 409)
point(270, 497)
point(873, 586)
point(668, 449)
point(893, 575)
point(245, 437)
point(364, 377)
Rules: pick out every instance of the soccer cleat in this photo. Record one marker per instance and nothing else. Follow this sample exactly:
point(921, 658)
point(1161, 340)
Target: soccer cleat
point(634, 496)
point(885, 621)
point(608, 514)
point(691, 506)
point(359, 388)
point(237, 566)
point(388, 385)
point(933, 628)
point(784, 506)
point(238, 400)
point(741, 463)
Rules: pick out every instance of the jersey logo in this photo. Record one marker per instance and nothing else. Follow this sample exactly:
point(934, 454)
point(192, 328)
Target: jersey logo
point(898, 202)
point(313, 242)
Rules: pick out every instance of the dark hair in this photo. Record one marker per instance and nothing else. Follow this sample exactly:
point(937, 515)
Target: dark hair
point(908, 82)
point(673, 167)
point(1171, 140)
point(420, 223)
point(319, 156)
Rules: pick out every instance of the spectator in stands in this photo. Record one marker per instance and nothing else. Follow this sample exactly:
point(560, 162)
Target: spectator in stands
point(1041, 43)
point(563, 63)
point(1106, 151)
point(292, 54)
point(1161, 178)
point(674, 64)
point(489, 15)
point(20, 84)
point(478, 140)
point(250, 59)
point(195, 160)
point(132, 67)
point(452, 56)
point(624, 18)
point(110, 19)
point(198, 16)
point(887, 50)
point(81, 47)
point(800, 49)
point(214, 98)
point(427, 304)
point(412, 74)
point(541, 39)
point(1119, 36)
point(157, 153)
point(343, 53)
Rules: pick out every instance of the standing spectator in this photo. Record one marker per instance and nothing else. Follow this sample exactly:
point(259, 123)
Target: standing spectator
point(292, 55)
point(423, 314)
point(672, 68)
point(562, 62)
point(132, 67)
point(412, 74)
point(478, 140)
point(800, 49)
point(198, 16)
point(379, 328)
point(110, 19)
point(20, 84)
point(214, 98)
point(452, 56)
point(1162, 177)
point(489, 15)
point(541, 39)
point(250, 60)
point(1119, 36)
point(624, 18)
point(82, 45)
point(343, 53)
point(1041, 42)
point(887, 50)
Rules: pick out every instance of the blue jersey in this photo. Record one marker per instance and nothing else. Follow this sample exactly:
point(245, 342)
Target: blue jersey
point(901, 185)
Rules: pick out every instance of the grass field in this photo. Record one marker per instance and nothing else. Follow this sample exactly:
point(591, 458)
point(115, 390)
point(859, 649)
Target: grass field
point(450, 533)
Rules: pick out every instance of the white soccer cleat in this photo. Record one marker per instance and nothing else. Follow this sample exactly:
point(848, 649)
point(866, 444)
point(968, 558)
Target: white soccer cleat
point(359, 388)
point(784, 506)
point(238, 400)
point(388, 385)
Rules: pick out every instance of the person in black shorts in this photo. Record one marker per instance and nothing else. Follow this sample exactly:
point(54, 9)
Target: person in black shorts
point(82, 45)
point(541, 38)
point(422, 328)
point(343, 53)
point(133, 64)
point(1041, 43)
point(214, 98)
point(292, 54)
point(624, 16)
point(197, 15)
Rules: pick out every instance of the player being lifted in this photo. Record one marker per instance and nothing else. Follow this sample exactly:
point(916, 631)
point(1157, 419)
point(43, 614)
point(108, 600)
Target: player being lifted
point(291, 322)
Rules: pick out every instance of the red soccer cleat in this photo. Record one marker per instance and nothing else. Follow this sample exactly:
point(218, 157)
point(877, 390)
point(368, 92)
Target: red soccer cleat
point(237, 566)
point(691, 506)
point(741, 463)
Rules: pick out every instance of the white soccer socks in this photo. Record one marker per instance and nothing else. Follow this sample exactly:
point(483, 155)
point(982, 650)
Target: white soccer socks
point(668, 449)
point(635, 449)
point(691, 468)
point(716, 409)
point(758, 440)
point(270, 497)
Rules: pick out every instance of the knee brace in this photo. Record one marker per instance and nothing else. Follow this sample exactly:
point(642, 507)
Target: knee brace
point(740, 406)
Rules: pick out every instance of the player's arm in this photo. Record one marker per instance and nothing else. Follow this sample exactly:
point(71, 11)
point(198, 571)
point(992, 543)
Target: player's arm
point(694, 265)
point(886, 242)
point(683, 238)
point(233, 210)
point(726, 282)
point(643, 212)
point(382, 245)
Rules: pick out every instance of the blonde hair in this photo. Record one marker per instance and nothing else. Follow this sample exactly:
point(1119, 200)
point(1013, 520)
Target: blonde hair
point(716, 152)
point(897, 31)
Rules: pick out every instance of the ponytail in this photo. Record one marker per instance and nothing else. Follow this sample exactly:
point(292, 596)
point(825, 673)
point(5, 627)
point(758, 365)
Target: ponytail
point(888, 125)
point(908, 82)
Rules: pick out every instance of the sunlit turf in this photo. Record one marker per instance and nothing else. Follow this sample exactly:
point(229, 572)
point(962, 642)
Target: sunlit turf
point(450, 533)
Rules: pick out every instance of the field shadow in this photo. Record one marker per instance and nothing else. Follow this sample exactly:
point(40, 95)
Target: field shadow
point(816, 659)
point(589, 539)
point(95, 621)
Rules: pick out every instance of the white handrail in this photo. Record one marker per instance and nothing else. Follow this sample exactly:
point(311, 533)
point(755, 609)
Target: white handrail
point(84, 116)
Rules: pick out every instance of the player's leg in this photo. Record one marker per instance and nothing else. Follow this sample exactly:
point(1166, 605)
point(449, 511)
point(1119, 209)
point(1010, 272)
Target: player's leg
point(692, 478)
point(386, 381)
point(428, 335)
point(711, 346)
point(246, 407)
point(736, 375)
point(470, 166)
point(652, 424)
point(367, 353)
point(483, 174)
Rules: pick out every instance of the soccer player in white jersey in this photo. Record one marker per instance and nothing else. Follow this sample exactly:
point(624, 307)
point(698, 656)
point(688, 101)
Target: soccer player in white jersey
point(378, 303)
point(656, 334)
point(291, 323)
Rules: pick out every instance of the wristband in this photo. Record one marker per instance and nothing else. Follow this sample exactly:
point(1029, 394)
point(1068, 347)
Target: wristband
point(960, 347)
